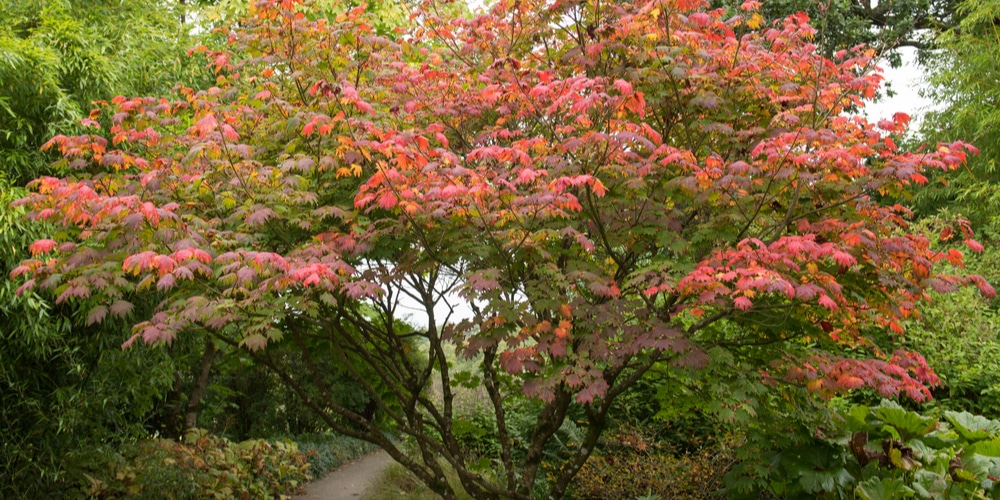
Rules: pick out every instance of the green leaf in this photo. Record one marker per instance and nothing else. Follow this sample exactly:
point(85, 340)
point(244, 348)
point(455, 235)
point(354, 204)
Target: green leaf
point(972, 427)
point(482, 464)
point(987, 448)
point(963, 475)
point(461, 427)
point(883, 488)
point(817, 481)
point(929, 484)
point(977, 466)
point(928, 453)
point(908, 424)
point(856, 418)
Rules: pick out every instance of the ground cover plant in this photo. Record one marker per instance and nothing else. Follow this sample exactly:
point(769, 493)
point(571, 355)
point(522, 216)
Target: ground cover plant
point(328, 451)
point(199, 466)
point(573, 195)
point(886, 451)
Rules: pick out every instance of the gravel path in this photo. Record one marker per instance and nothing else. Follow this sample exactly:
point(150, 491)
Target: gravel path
point(350, 480)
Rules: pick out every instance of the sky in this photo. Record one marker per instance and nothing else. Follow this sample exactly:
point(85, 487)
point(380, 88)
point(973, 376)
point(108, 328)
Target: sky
point(907, 81)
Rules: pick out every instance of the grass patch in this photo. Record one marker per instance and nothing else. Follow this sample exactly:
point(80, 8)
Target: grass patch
point(396, 482)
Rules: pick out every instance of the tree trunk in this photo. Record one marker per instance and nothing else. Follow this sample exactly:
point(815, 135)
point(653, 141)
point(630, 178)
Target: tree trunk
point(200, 384)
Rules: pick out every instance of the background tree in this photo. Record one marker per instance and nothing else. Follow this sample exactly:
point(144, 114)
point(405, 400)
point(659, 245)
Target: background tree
point(608, 188)
point(60, 56)
point(964, 83)
point(68, 389)
point(67, 392)
point(883, 26)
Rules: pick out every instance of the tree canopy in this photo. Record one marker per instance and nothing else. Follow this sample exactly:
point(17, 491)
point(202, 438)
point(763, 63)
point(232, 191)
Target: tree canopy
point(606, 187)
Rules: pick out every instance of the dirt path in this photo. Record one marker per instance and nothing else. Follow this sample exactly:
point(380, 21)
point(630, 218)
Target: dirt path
point(350, 480)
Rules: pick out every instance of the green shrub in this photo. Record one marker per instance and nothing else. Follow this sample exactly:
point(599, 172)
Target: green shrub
point(958, 332)
point(633, 465)
point(202, 466)
point(959, 335)
point(326, 451)
point(888, 452)
point(477, 432)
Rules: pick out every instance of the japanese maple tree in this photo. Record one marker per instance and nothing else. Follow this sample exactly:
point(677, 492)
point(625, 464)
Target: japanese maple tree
point(570, 192)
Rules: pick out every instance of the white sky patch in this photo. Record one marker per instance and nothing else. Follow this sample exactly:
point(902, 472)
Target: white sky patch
point(906, 81)
point(415, 314)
